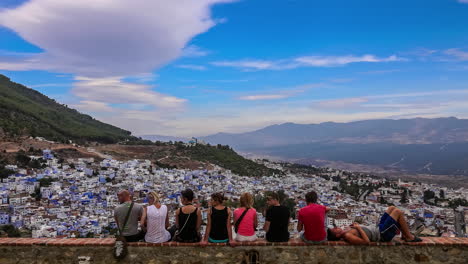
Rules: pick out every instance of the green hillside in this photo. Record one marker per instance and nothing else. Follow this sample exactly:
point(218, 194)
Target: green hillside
point(24, 111)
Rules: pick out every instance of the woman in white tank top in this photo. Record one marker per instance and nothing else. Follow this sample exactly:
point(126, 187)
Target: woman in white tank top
point(157, 220)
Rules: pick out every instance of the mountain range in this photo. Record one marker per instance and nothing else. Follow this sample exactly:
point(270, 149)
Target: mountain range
point(418, 145)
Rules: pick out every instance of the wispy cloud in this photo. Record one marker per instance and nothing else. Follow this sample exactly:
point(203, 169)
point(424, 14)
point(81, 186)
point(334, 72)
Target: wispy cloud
point(457, 54)
point(341, 103)
point(194, 51)
point(463, 1)
point(191, 67)
point(333, 61)
point(49, 85)
point(120, 92)
point(381, 71)
point(281, 93)
point(250, 64)
point(304, 61)
point(264, 97)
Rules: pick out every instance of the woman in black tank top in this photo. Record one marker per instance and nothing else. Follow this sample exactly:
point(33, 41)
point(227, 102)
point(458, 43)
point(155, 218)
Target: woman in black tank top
point(188, 231)
point(218, 228)
point(188, 223)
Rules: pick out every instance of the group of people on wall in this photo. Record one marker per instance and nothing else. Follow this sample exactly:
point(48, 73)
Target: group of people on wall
point(220, 228)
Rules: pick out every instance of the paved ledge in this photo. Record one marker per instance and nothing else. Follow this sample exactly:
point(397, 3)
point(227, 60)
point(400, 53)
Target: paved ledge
point(427, 241)
point(99, 251)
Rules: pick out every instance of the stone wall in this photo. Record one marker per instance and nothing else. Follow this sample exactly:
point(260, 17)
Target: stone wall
point(87, 251)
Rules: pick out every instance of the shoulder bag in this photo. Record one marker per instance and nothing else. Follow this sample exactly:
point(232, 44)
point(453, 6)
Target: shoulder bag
point(120, 247)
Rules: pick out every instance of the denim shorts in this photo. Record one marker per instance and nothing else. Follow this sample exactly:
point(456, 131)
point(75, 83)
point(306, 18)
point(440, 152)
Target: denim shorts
point(310, 241)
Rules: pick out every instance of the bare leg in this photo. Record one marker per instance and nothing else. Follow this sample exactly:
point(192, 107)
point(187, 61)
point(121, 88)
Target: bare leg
point(390, 209)
point(399, 216)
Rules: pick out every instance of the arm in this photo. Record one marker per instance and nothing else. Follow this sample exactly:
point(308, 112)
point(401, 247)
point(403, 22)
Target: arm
point(167, 221)
point(229, 228)
point(117, 222)
point(199, 220)
point(266, 226)
point(177, 218)
point(300, 226)
point(143, 218)
point(356, 236)
point(208, 227)
point(255, 221)
point(116, 219)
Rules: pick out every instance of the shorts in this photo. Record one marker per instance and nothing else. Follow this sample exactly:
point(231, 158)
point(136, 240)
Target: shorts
point(310, 241)
point(388, 228)
point(241, 238)
point(218, 241)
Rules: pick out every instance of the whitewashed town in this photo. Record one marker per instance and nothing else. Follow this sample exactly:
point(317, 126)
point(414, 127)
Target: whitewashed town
point(77, 197)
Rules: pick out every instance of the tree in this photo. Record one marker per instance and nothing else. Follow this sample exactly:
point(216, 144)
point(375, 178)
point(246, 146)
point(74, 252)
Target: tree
point(291, 205)
point(260, 202)
point(428, 194)
point(404, 197)
point(442, 194)
point(11, 230)
point(4, 173)
point(458, 202)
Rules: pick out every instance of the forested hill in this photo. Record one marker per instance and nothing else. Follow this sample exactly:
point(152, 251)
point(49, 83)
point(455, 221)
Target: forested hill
point(24, 111)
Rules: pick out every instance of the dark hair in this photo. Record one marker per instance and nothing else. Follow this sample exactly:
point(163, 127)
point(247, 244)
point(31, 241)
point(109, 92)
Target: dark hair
point(187, 194)
point(273, 195)
point(311, 197)
point(331, 236)
point(218, 197)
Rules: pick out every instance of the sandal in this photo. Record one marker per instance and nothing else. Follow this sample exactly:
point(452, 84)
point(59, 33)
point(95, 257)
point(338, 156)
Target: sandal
point(415, 239)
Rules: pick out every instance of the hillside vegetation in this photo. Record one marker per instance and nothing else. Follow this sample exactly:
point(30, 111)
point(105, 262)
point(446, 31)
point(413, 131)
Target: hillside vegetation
point(24, 111)
point(226, 157)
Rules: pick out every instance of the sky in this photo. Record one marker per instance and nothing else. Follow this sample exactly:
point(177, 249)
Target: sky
point(199, 67)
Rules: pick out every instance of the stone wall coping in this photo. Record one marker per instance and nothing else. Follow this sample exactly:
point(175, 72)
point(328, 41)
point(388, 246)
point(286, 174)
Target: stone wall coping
point(427, 241)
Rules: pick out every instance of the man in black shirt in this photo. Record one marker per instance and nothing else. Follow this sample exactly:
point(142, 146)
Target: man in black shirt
point(276, 221)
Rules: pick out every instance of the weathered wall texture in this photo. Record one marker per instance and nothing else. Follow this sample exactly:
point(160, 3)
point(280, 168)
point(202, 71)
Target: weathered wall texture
point(89, 251)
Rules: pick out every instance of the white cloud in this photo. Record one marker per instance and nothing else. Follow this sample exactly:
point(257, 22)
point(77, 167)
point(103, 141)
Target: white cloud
point(340, 103)
point(116, 91)
point(192, 67)
point(264, 97)
point(249, 64)
point(92, 106)
point(304, 61)
point(106, 37)
point(281, 93)
point(457, 53)
point(194, 51)
point(463, 1)
point(333, 61)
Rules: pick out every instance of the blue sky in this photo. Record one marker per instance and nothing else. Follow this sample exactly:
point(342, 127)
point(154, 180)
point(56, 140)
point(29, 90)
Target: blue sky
point(191, 68)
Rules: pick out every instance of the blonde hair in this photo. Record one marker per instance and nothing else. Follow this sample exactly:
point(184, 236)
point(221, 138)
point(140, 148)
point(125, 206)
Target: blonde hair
point(246, 200)
point(155, 196)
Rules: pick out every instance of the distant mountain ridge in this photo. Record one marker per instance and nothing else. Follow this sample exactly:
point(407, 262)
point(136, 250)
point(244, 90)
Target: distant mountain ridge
point(24, 111)
point(402, 131)
point(419, 145)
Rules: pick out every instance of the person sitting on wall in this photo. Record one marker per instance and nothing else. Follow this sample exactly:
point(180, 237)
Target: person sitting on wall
point(311, 219)
point(188, 220)
point(245, 219)
point(130, 229)
point(156, 219)
point(391, 222)
point(218, 228)
point(276, 220)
